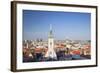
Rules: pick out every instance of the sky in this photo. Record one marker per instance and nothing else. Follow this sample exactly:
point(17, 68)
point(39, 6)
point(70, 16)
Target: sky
point(65, 25)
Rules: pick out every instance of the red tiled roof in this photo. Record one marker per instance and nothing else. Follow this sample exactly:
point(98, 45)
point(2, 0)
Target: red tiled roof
point(40, 50)
point(76, 52)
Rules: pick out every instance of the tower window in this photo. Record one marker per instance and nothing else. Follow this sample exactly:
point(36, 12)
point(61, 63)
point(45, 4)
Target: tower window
point(50, 43)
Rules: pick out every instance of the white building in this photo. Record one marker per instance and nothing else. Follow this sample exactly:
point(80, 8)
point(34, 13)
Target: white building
point(51, 52)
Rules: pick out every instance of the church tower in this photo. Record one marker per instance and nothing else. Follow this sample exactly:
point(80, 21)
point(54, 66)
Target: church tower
point(51, 52)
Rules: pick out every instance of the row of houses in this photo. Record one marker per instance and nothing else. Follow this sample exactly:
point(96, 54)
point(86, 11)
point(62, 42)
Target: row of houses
point(30, 49)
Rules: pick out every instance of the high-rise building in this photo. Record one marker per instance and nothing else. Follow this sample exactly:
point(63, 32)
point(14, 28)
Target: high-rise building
point(51, 52)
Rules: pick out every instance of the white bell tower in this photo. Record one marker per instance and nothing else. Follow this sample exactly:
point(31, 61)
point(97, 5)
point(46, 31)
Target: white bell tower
point(51, 53)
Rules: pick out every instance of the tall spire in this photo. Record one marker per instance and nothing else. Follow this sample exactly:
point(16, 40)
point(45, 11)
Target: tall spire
point(51, 54)
point(50, 33)
point(50, 27)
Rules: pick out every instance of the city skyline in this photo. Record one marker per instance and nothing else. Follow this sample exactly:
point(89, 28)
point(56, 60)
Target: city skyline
point(65, 25)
